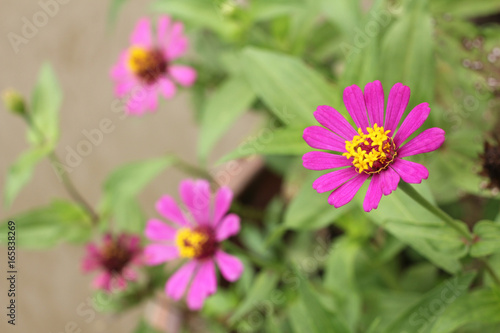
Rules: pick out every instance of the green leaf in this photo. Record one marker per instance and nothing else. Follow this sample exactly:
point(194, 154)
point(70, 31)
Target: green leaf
point(48, 226)
point(200, 13)
point(408, 53)
point(264, 9)
point(122, 187)
point(260, 291)
point(418, 228)
point(21, 171)
point(310, 210)
point(231, 100)
point(289, 88)
point(309, 315)
point(419, 316)
point(44, 111)
point(465, 8)
point(480, 306)
point(114, 8)
point(144, 327)
point(269, 141)
point(489, 239)
point(344, 13)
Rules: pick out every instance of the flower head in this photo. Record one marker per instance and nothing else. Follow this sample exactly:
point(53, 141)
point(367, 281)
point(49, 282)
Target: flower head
point(146, 68)
point(115, 257)
point(491, 164)
point(194, 236)
point(375, 150)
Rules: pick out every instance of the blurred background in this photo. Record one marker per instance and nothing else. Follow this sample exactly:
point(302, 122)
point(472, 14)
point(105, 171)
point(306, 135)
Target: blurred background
point(81, 47)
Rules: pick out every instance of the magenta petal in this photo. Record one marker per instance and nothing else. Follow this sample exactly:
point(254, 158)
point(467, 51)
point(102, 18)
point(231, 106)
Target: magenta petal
point(396, 105)
point(347, 191)
point(334, 179)
point(204, 284)
point(355, 104)
point(177, 43)
point(90, 263)
point(102, 281)
point(151, 100)
point(321, 138)
point(178, 282)
point(374, 99)
point(373, 195)
point(157, 230)
point(412, 122)
point(389, 181)
point(333, 120)
point(185, 75)
point(223, 199)
point(410, 172)
point(169, 209)
point(120, 283)
point(196, 197)
point(427, 141)
point(162, 29)
point(167, 88)
point(318, 160)
point(230, 266)
point(155, 254)
point(141, 36)
point(125, 86)
point(228, 227)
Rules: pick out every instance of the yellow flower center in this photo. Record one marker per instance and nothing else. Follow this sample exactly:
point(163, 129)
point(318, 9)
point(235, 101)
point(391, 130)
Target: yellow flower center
point(197, 243)
point(372, 152)
point(148, 65)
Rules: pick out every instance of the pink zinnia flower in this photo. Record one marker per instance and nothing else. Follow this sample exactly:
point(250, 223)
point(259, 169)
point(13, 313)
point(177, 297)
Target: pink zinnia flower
point(116, 258)
point(195, 236)
point(145, 69)
point(375, 151)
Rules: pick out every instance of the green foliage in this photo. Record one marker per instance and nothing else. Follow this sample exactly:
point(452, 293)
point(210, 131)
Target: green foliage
point(488, 242)
point(45, 227)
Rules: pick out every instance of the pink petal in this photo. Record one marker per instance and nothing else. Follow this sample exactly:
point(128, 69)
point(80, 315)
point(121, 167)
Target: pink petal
point(373, 195)
point(169, 209)
point(136, 106)
point(318, 160)
point(102, 281)
point(120, 283)
point(396, 105)
point(121, 70)
point(355, 104)
point(413, 121)
point(185, 75)
point(178, 282)
point(427, 141)
point(155, 254)
point(321, 138)
point(141, 36)
point(229, 226)
point(332, 180)
point(162, 29)
point(410, 172)
point(347, 191)
point(151, 101)
point(196, 197)
point(230, 266)
point(130, 274)
point(177, 43)
point(125, 86)
point(167, 88)
point(223, 199)
point(374, 99)
point(204, 284)
point(389, 181)
point(90, 263)
point(157, 230)
point(333, 120)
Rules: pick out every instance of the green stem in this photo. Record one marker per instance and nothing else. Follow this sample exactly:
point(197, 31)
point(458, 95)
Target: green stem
point(412, 193)
point(490, 271)
point(193, 170)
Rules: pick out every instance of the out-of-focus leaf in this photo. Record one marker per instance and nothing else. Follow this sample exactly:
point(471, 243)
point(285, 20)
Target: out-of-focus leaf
point(44, 109)
point(232, 99)
point(122, 187)
point(21, 172)
point(114, 8)
point(415, 226)
point(265, 9)
point(480, 306)
point(465, 8)
point(271, 141)
point(345, 13)
point(489, 239)
point(422, 314)
point(144, 327)
point(260, 291)
point(289, 88)
point(48, 226)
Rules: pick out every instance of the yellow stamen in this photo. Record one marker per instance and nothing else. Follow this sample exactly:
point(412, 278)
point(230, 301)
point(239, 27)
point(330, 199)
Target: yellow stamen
point(190, 243)
point(139, 59)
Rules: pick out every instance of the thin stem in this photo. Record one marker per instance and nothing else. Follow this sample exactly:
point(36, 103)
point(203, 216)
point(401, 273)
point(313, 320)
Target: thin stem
point(193, 170)
point(412, 193)
point(490, 271)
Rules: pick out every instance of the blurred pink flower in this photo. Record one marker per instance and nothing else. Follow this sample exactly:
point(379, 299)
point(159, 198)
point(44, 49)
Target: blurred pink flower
point(375, 150)
point(145, 69)
point(195, 236)
point(115, 259)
